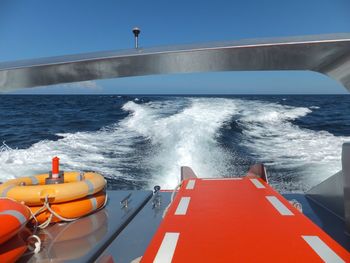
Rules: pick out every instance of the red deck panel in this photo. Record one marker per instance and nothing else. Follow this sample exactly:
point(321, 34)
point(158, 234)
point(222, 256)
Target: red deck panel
point(233, 221)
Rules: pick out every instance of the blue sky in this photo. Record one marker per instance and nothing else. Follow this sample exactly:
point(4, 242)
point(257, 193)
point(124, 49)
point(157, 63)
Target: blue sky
point(42, 28)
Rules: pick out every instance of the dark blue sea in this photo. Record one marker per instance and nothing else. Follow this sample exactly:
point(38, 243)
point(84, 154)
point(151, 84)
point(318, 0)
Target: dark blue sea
point(137, 142)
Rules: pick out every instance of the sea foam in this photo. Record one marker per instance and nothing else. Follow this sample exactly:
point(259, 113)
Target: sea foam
point(159, 136)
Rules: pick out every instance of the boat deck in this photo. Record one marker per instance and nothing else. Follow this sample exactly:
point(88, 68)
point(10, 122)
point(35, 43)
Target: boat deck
point(221, 220)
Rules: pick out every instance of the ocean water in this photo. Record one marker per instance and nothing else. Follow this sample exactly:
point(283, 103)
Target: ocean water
point(137, 142)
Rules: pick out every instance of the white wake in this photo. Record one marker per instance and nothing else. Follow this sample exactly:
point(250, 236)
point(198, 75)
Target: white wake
point(185, 131)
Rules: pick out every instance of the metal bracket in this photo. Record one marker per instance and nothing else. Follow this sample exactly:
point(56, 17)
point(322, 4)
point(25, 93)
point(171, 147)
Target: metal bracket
point(157, 200)
point(125, 201)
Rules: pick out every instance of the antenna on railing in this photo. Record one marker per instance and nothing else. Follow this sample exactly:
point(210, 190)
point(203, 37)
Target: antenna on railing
point(136, 32)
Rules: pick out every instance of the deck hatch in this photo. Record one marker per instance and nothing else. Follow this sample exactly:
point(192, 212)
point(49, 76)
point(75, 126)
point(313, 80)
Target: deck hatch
point(227, 214)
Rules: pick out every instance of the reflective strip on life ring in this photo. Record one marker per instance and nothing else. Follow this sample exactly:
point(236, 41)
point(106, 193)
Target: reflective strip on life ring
point(5, 191)
point(33, 190)
point(93, 202)
point(34, 180)
point(90, 186)
point(18, 215)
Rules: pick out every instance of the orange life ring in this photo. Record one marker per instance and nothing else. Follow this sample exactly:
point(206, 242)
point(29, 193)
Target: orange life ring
point(14, 216)
point(72, 209)
point(33, 190)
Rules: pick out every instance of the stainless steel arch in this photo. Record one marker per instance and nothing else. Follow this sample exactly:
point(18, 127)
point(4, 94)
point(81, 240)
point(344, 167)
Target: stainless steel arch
point(327, 54)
